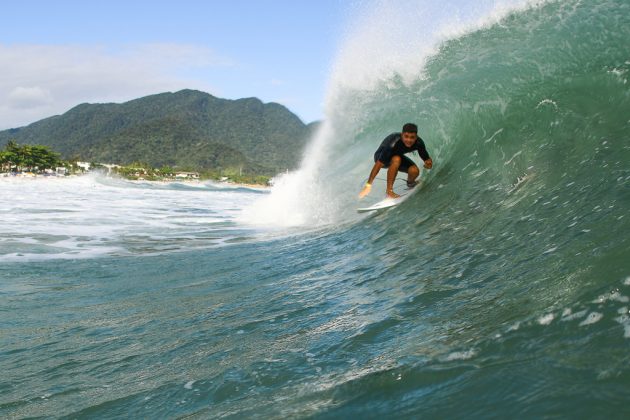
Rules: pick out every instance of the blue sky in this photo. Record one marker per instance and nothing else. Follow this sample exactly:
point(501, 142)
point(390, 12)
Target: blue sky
point(57, 54)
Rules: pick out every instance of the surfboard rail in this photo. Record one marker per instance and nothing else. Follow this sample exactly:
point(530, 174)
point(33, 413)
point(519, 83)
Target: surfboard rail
point(388, 202)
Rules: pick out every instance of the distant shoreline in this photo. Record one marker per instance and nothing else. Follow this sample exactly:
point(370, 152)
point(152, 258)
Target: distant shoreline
point(198, 181)
point(33, 176)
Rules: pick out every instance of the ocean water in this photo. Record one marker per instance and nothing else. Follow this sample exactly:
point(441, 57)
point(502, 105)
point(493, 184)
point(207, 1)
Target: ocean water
point(501, 289)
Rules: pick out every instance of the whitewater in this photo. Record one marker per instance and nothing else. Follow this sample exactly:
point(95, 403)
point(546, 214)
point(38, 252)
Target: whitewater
point(500, 289)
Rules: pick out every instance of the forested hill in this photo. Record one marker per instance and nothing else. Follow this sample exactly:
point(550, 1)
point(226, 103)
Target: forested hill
point(183, 129)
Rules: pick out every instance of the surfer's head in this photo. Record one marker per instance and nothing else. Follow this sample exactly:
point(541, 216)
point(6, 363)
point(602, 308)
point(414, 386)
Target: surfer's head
point(410, 128)
point(409, 134)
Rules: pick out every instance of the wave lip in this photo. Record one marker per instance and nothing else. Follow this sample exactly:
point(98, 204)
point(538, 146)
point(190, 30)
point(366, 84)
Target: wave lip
point(372, 92)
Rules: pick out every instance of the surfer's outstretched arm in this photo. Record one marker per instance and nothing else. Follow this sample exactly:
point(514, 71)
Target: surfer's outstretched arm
point(368, 185)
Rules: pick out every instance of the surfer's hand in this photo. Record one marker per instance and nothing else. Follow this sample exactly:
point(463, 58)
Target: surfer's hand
point(428, 163)
point(366, 190)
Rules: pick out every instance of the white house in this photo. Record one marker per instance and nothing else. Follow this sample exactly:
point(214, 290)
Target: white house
point(187, 175)
point(85, 166)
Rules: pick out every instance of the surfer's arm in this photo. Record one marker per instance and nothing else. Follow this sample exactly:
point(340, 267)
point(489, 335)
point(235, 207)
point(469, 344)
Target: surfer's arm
point(375, 169)
point(368, 185)
point(424, 155)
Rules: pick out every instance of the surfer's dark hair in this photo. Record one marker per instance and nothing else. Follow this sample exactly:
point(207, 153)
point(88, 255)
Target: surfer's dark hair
point(410, 128)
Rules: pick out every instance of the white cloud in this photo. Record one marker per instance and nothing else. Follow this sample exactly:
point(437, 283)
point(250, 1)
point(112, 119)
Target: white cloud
point(29, 97)
point(40, 81)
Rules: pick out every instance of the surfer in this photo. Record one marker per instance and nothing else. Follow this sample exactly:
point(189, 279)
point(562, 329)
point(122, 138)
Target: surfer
point(391, 155)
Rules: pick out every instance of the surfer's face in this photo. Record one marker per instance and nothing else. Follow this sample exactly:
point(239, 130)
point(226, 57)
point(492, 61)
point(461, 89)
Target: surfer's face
point(409, 138)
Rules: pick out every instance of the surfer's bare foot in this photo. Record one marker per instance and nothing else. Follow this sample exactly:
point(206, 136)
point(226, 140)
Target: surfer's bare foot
point(392, 194)
point(411, 184)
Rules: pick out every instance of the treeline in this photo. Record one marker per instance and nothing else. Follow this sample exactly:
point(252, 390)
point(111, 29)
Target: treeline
point(37, 159)
point(15, 158)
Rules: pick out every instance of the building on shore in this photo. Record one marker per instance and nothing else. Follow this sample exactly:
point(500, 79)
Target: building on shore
point(187, 175)
point(84, 166)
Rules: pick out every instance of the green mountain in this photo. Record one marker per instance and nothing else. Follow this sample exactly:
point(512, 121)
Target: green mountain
point(183, 129)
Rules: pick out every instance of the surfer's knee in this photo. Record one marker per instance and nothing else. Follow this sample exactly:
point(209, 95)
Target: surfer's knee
point(395, 160)
point(414, 171)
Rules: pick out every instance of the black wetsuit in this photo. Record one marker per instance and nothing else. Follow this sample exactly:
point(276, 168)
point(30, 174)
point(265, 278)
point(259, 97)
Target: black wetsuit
point(394, 146)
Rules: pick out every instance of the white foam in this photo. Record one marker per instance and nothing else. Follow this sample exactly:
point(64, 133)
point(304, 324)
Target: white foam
point(84, 217)
point(547, 102)
point(514, 327)
point(513, 157)
point(189, 384)
point(499, 131)
point(570, 317)
point(546, 319)
point(461, 355)
point(612, 296)
point(624, 320)
point(592, 318)
point(402, 35)
point(308, 196)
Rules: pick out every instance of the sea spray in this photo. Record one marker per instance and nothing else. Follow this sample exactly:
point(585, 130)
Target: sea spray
point(305, 197)
point(373, 90)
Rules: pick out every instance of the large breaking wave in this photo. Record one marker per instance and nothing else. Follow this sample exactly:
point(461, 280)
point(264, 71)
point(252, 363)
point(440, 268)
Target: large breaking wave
point(515, 98)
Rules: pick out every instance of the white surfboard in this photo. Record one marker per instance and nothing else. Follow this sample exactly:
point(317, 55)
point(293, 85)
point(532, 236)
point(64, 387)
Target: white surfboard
point(389, 202)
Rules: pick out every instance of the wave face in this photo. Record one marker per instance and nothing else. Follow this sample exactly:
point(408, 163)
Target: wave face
point(537, 96)
point(516, 248)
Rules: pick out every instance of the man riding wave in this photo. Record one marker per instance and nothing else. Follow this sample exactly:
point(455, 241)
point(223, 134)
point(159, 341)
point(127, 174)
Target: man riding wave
point(391, 155)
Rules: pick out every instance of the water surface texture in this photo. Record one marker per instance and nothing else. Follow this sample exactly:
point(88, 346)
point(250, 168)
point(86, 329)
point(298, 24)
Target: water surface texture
point(501, 289)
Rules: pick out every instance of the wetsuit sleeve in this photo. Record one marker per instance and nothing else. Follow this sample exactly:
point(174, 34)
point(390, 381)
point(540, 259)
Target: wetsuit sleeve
point(422, 150)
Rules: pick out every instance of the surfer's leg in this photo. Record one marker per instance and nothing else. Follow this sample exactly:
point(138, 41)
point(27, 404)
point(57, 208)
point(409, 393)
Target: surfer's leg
point(412, 174)
point(392, 171)
point(407, 165)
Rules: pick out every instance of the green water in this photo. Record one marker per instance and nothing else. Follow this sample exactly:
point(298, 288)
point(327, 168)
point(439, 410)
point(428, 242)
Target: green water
point(500, 290)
